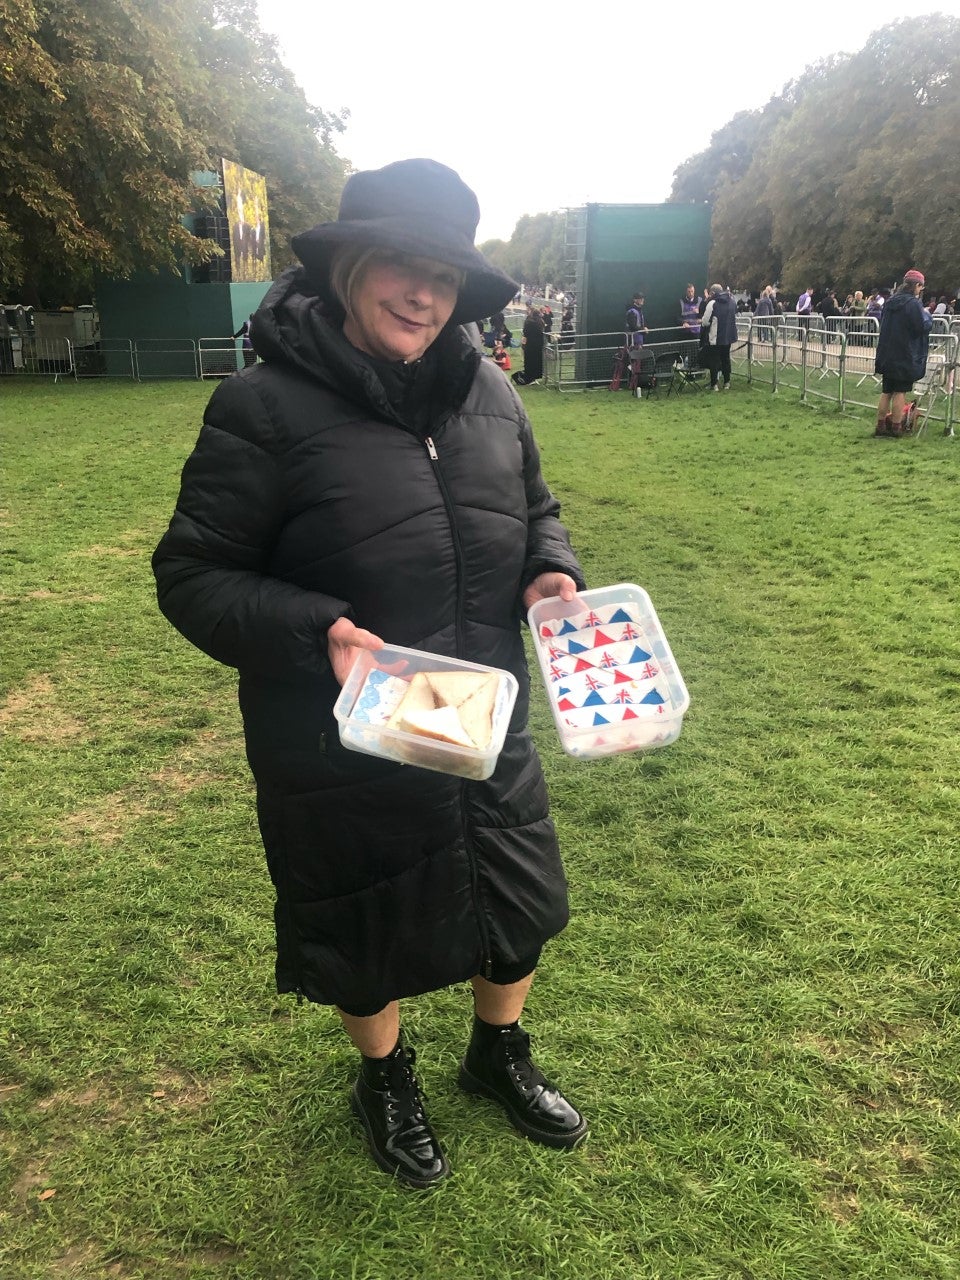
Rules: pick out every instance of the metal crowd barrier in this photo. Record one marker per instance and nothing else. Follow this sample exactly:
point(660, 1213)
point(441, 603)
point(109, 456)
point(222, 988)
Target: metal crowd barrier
point(832, 362)
point(577, 361)
point(218, 357)
point(165, 358)
point(108, 358)
point(837, 364)
point(41, 357)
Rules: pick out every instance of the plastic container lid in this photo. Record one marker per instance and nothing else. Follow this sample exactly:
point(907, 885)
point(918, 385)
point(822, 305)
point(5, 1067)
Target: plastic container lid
point(612, 681)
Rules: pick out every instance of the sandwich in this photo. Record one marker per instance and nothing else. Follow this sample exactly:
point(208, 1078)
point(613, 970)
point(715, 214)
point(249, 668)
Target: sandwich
point(449, 706)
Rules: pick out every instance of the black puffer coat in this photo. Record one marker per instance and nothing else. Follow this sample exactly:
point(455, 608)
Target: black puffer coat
point(308, 498)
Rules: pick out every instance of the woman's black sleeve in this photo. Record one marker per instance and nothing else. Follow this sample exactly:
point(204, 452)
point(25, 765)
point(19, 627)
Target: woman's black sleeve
point(212, 565)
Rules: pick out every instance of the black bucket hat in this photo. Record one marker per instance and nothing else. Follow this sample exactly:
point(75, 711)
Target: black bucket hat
point(418, 207)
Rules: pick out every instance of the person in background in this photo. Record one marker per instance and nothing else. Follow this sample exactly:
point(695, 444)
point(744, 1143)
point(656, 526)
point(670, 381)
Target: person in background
point(720, 323)
point(690, 311)
point(567, 328)
point(532, 341)
point(830, 311)
point(856, 311)
point(249, 355)
point(500, 357)
point(901, 358)
point(635, 323)
point(371, 477)
point(764, 309)
point(498, 329)
point(804, 310)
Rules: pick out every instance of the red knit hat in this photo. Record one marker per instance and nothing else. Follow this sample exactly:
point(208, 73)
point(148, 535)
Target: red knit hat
point(914, 277)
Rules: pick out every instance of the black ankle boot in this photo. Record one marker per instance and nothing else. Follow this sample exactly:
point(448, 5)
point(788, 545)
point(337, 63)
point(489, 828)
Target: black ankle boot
point(498, 1065)
point(386, 1098)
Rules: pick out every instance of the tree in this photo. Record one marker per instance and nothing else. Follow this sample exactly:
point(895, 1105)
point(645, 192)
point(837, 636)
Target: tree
point(729, 155)
point(266, 124)
point(108, 106)
point(742, 252)
point(97, 149)
point(848, 181)
point(535, 251)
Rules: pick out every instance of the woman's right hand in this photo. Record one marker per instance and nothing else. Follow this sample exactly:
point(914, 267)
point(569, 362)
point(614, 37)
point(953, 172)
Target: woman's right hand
point(343, 640)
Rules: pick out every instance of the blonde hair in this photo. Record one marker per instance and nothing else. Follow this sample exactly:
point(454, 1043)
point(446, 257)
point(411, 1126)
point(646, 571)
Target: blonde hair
point(349, 264)
point(347, 268)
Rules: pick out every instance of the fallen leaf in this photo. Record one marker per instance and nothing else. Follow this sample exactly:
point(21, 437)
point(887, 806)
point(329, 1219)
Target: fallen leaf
point(159, 1093)
point(48, 1194)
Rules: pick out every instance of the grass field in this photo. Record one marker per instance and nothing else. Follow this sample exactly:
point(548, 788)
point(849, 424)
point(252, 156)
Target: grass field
point(756, 1001)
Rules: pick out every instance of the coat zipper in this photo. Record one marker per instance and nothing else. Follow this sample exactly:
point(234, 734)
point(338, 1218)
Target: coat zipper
point(457, 545)
point(487, 964)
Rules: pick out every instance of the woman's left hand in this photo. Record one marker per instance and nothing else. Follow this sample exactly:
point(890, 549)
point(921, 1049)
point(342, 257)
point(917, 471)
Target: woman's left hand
point(343, 641)
point(549, 584)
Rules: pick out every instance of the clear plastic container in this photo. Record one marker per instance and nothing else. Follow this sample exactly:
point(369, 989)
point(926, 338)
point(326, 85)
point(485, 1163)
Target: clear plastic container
point(359, 733)
point(611, 679)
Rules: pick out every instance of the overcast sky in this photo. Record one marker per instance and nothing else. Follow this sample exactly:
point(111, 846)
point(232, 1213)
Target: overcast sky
point(544, 105)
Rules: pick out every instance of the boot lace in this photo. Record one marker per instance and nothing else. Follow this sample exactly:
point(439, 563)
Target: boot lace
point(526, 1073)
point(404, 1100)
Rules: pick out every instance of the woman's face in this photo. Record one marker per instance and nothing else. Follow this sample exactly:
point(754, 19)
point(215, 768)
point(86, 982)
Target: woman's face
point(400, 306)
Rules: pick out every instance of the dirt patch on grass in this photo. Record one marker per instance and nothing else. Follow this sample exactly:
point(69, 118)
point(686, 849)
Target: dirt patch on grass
point(30, 1182)
point(64, 597)
point(841, 1205)
point(911, 1158)
point(111, 816)
point(105, 821)
point(98, 552)
point(174, 777)
point(96, 1096)
point(32, 713)
point(77, 1261)
point(177, 1089)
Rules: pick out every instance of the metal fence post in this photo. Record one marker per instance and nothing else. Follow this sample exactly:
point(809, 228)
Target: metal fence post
point(750, 352)
point(842, 361)
point(804, 333)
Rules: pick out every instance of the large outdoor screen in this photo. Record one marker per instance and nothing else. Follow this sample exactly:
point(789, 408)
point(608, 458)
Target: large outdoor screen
point(245, 194)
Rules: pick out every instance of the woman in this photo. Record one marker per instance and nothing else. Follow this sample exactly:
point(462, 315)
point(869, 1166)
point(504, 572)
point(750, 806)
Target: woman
point(374, 477)
point(764, 308)
point(532, 341)
point(498, 330)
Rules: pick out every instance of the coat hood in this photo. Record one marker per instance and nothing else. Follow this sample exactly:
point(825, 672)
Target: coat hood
point(897, 301)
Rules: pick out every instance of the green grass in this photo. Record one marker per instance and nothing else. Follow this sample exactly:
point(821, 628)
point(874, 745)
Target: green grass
point(756, 1001)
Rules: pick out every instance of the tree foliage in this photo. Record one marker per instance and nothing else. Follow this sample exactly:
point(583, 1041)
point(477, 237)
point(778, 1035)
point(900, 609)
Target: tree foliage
point(267, 125)
point(845, 177)
point(108, 106)
point(535, 251)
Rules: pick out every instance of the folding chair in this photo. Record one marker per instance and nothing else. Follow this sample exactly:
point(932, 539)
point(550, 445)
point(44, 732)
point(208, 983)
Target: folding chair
point(938, 381)
point(688, 373)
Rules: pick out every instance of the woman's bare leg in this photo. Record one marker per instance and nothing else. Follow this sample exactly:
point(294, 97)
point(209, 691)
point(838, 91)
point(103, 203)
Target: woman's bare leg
point(377, 1035)
point(498, 1004)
